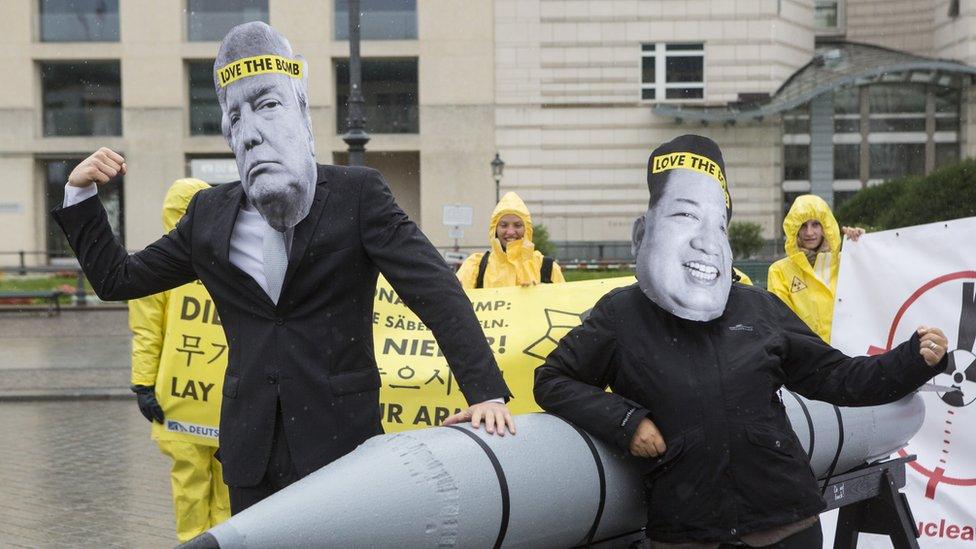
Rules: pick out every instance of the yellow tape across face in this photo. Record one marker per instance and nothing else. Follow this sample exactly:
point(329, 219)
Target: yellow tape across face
point(259, 64)
point(692, 161)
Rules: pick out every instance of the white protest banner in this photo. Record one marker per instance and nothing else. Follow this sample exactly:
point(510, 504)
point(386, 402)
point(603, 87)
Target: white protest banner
point(891, 283)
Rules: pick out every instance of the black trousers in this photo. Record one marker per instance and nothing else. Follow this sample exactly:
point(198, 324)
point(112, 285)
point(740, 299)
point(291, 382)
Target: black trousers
point(279, 473)
point(811, 538)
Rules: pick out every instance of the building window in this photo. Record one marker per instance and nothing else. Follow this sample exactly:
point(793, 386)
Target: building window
point(847, 161)
point(826, 14)
point(946, 154)
point(897, 108)
point(797, 121)
point(881, 131)
point(847, 110)
point(789, 197)
point(672, 71)
point(215, 169)
point(946, 110)
point(378, 19)
point(389, 91)
point(79, 20)
point(209, 20)
point(55, 174)
point(204, 109)
point(81, 98)
point(893, 160)
point(796, 162)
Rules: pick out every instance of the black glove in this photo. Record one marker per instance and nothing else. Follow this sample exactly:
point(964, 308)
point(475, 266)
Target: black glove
point(148, 405)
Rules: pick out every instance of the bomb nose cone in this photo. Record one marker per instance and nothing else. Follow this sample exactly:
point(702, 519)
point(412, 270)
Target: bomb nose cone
point(203, 541)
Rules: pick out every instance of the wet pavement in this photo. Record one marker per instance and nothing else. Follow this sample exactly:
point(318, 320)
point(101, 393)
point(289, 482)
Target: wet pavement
point(77, 466)
point(81, 473)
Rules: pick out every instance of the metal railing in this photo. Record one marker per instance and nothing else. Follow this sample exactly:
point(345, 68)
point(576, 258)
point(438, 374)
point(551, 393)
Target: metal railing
point(49, 263)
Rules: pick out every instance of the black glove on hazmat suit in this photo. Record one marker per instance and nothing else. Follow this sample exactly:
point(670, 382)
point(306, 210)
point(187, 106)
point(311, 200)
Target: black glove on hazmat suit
point(148, 404)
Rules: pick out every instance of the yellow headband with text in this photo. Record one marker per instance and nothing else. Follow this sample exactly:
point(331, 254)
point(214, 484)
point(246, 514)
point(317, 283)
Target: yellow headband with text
point(259, 64)
point(695, 162)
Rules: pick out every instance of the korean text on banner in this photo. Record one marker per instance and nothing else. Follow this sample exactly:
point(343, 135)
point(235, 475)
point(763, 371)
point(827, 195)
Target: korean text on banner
point(521, 325)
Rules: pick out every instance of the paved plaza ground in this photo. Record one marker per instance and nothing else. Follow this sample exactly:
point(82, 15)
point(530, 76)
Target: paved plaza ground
point(81, 473)
point(77, 466)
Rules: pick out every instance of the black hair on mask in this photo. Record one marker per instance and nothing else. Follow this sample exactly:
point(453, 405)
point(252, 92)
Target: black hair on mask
point(687, 151)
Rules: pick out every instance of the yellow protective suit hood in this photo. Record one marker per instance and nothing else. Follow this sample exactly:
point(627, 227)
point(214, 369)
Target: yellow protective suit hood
point(178, 198)
point(805, 288)
point(511, 203)
point(805, 208)
point(519, 264)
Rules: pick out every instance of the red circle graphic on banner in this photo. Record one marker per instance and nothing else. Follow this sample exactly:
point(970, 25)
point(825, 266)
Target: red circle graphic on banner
point(936, 475)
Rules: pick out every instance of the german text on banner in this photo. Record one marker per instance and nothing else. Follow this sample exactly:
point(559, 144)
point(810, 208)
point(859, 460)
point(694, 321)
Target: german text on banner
point(890, 283)
point(521, 325)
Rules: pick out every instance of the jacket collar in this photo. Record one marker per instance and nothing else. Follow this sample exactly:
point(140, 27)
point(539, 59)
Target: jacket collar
point(305, 230)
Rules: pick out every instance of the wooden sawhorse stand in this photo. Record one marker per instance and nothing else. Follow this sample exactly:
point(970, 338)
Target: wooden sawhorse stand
point(870, 502)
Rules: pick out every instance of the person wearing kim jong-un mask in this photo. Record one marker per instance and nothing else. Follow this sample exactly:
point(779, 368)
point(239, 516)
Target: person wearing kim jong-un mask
point(694, 361)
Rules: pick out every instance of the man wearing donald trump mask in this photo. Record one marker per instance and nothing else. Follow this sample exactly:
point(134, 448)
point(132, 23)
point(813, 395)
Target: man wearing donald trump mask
point(290, 255)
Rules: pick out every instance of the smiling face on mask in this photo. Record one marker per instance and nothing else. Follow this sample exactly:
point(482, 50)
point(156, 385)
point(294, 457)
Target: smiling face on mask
point(684, 261)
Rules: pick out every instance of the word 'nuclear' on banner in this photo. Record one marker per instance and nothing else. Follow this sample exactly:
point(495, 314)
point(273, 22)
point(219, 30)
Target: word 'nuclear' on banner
point(521, 326)
point(891, 283)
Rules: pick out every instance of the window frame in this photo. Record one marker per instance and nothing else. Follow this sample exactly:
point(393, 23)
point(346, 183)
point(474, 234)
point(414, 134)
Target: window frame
point(40, 65)
point(39, 27)
point(187, 27)
point(660, 54)
point(840, 28)
point(187, 82)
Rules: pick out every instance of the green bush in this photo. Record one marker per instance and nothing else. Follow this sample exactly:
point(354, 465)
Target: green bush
point(746, 239)
point(947, 193)
point(540, 237)
point(870, 206)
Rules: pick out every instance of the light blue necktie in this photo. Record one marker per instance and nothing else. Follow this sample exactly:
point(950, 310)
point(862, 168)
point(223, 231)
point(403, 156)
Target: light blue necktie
point(275, 261)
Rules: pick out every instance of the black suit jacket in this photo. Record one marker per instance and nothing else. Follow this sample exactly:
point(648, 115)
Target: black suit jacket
point(313, 352)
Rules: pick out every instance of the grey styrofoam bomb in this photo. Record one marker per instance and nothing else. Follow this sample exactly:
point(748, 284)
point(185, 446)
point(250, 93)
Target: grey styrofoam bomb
point(552, 485)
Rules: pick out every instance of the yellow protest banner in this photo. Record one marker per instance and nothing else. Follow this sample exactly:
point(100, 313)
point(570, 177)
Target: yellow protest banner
point(191, 367)
point(521, 325)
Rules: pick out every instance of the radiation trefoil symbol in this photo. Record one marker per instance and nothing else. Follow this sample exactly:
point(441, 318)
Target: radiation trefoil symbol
point(559, 323)
point(959, 377)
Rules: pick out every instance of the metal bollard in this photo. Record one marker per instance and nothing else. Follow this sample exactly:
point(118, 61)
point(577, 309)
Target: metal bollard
point(81, 298)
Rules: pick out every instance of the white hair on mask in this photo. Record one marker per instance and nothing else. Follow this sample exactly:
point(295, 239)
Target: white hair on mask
point(249, 40)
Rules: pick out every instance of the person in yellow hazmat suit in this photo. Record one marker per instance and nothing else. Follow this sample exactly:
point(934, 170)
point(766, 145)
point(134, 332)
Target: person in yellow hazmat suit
point(806, 278)
point(512, 259)
point(179, 354)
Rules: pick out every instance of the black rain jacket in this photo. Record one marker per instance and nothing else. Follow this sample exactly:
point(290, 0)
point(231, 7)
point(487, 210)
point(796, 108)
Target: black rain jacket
point(733, 464)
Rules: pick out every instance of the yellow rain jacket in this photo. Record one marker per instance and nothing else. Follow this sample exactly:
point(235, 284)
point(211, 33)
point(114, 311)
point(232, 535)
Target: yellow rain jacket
point(179, 347)
point(809, 289)
point(519, 265)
